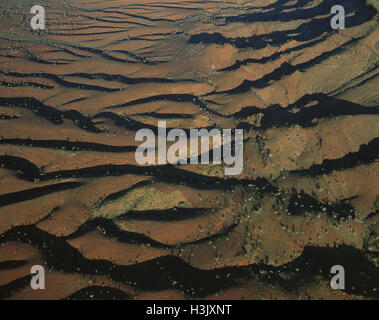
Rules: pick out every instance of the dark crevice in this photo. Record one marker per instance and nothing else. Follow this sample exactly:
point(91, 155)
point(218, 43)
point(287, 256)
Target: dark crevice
point(366, 154)
point(307, 31)
point(119, 194)
point(12, 287)
point(25, 195)
point(164, 173)
point(27, 170)
point(361, 274)
point(372, 215)
point(276, 116)
point(284, 70)
point(172, 273)
point(124, 79)
point(68, 145)
point(53, 115)
point(158, 274)
point(301, 203)
point(110, 230)
point(273, 57)
point(165, 115)
point(165, 97)
point(134, 125)
point(12, 264)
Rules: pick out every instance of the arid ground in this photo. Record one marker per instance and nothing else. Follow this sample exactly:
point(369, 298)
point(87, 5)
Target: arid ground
point(74, 200)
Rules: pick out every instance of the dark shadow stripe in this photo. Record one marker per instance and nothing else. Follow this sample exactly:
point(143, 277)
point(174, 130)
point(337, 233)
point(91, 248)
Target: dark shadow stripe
point(25, 195)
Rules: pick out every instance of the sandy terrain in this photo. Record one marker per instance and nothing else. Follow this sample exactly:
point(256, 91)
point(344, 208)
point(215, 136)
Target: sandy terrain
point(74, 199)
